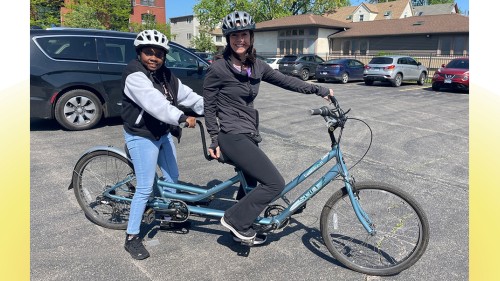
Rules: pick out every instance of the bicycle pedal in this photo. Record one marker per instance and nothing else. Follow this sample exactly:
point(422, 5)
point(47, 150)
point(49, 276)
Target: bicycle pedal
point(247, 242)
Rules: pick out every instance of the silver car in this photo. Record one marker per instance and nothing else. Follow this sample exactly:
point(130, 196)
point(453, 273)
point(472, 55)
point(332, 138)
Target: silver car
point(394, 69)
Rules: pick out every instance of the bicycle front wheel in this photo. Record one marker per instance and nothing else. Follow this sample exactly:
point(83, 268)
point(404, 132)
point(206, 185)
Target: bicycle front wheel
point(97, 172)
point(401, 229)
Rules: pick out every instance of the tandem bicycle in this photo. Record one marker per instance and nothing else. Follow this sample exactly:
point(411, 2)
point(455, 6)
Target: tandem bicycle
point(370, 227)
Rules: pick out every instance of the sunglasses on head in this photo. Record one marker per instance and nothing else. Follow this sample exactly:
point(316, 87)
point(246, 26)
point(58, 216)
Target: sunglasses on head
point(152, 52)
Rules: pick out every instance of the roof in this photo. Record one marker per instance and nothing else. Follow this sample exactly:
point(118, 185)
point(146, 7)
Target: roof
point(449, 23)
point(300, 21)
point(438, 9)
point(396, 7)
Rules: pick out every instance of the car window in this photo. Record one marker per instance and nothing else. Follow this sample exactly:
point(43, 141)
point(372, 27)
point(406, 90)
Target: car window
point(318, 59)
point(464, 64)
point(412, 61)
point(180, 58)
point(402, 61)
point(381, 60)
point(356, 63)
point(288, 58)
point(304, 59)
point(117, 50)
point(68, 47)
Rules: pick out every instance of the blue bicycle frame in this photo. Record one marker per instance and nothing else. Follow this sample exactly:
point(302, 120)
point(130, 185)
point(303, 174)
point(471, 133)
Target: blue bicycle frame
point(196, 194)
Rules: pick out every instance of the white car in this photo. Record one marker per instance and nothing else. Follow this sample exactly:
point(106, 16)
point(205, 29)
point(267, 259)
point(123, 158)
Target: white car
point(273, 62)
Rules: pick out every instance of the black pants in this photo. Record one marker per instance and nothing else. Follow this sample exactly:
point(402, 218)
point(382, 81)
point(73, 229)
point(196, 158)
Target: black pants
point(255, 164)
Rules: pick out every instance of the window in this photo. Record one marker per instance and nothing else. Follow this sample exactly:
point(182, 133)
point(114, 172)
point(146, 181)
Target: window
point(148, 18)
point(387, 13)
point(361, 17)
point(189, 36)
point(180, 59)
point(117, 51)
point(363, 47)
point(218, 38)
point(459, 45)
point(346, 48)
point(148, 2)
point(349, 17)
point(69, 48)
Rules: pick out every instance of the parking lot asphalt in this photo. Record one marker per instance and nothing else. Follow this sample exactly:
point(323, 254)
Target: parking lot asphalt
point(420, 144)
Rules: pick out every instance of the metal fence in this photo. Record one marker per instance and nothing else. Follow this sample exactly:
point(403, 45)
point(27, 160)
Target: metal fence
point(432, 61)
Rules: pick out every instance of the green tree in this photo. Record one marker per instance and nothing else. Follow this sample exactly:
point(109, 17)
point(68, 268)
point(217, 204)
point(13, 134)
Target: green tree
point(211, 12)
point(203, 42)
point(45, 13)
point(161, 27)
point(112, 14)
point(83, 16)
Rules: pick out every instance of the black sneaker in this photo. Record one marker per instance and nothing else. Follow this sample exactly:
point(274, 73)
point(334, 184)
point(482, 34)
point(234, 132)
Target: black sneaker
point(248, 234)
point(135, 247)
point(260, 239)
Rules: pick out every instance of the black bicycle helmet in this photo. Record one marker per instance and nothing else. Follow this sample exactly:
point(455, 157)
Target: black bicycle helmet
point(237, 21)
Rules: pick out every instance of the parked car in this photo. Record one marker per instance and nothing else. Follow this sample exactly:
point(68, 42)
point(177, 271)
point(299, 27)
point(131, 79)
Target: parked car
point(302, 66)
point(75, 74)
point(343, 70)
point(454, 75)
point(273, 62)
point(394, 69)
point(206, 56)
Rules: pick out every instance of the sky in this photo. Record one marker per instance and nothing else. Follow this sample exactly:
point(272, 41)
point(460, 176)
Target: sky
point(177, 8)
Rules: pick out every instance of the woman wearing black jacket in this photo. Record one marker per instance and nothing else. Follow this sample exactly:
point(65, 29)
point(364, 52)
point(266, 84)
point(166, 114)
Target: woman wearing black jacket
point(230, 87)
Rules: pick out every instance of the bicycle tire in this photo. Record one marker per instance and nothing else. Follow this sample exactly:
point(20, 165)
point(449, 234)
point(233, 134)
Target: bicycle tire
point(402, 229)
point(93, 174)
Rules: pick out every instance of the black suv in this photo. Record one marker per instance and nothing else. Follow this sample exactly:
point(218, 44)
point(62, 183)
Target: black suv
point(303, 66)
point(75, 74)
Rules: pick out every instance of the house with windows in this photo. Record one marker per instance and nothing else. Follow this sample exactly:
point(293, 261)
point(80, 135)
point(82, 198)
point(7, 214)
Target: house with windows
point(148, 11)
point(370, 12)
point(445, 34)
point(184, 28)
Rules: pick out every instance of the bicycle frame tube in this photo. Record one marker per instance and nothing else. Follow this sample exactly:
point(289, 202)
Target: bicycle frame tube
point(199, 193)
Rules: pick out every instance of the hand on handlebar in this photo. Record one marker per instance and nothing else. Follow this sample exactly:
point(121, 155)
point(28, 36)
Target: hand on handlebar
point(214, 153)
point(327, 97)
point(190, 122)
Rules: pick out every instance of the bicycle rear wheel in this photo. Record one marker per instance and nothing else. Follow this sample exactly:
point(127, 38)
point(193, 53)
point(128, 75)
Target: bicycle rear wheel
point(96, 172)
point(402, 229)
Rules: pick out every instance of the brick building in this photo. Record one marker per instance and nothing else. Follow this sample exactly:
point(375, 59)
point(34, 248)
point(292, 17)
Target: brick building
point(141, 10)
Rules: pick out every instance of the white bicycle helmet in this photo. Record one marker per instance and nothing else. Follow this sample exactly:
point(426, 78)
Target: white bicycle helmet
point(152, 38)
point(237, 21)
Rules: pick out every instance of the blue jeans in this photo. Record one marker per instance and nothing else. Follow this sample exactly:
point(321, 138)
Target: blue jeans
point(146, 154)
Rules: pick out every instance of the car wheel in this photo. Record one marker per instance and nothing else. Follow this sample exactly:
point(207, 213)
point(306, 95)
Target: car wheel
point(421, 79)
point(397, 80)
point(78, 110)
point(321, 80)
point(368, 82)
point(345, 78)
point(304, 74)
point(435, 86)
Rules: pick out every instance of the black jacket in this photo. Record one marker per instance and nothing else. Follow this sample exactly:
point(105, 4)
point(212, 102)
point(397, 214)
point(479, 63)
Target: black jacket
point(229, 95)
point(146, 111)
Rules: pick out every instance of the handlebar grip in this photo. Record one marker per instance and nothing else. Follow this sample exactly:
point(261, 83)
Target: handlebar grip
point(323, 111)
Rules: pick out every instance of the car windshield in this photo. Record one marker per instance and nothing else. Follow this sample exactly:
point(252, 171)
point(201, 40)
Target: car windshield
point(464, 64)
point(381, 60)
point(288, 58)
point(270, 60)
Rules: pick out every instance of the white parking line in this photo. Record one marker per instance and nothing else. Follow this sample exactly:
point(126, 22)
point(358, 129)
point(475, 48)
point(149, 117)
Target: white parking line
point(411, 89)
